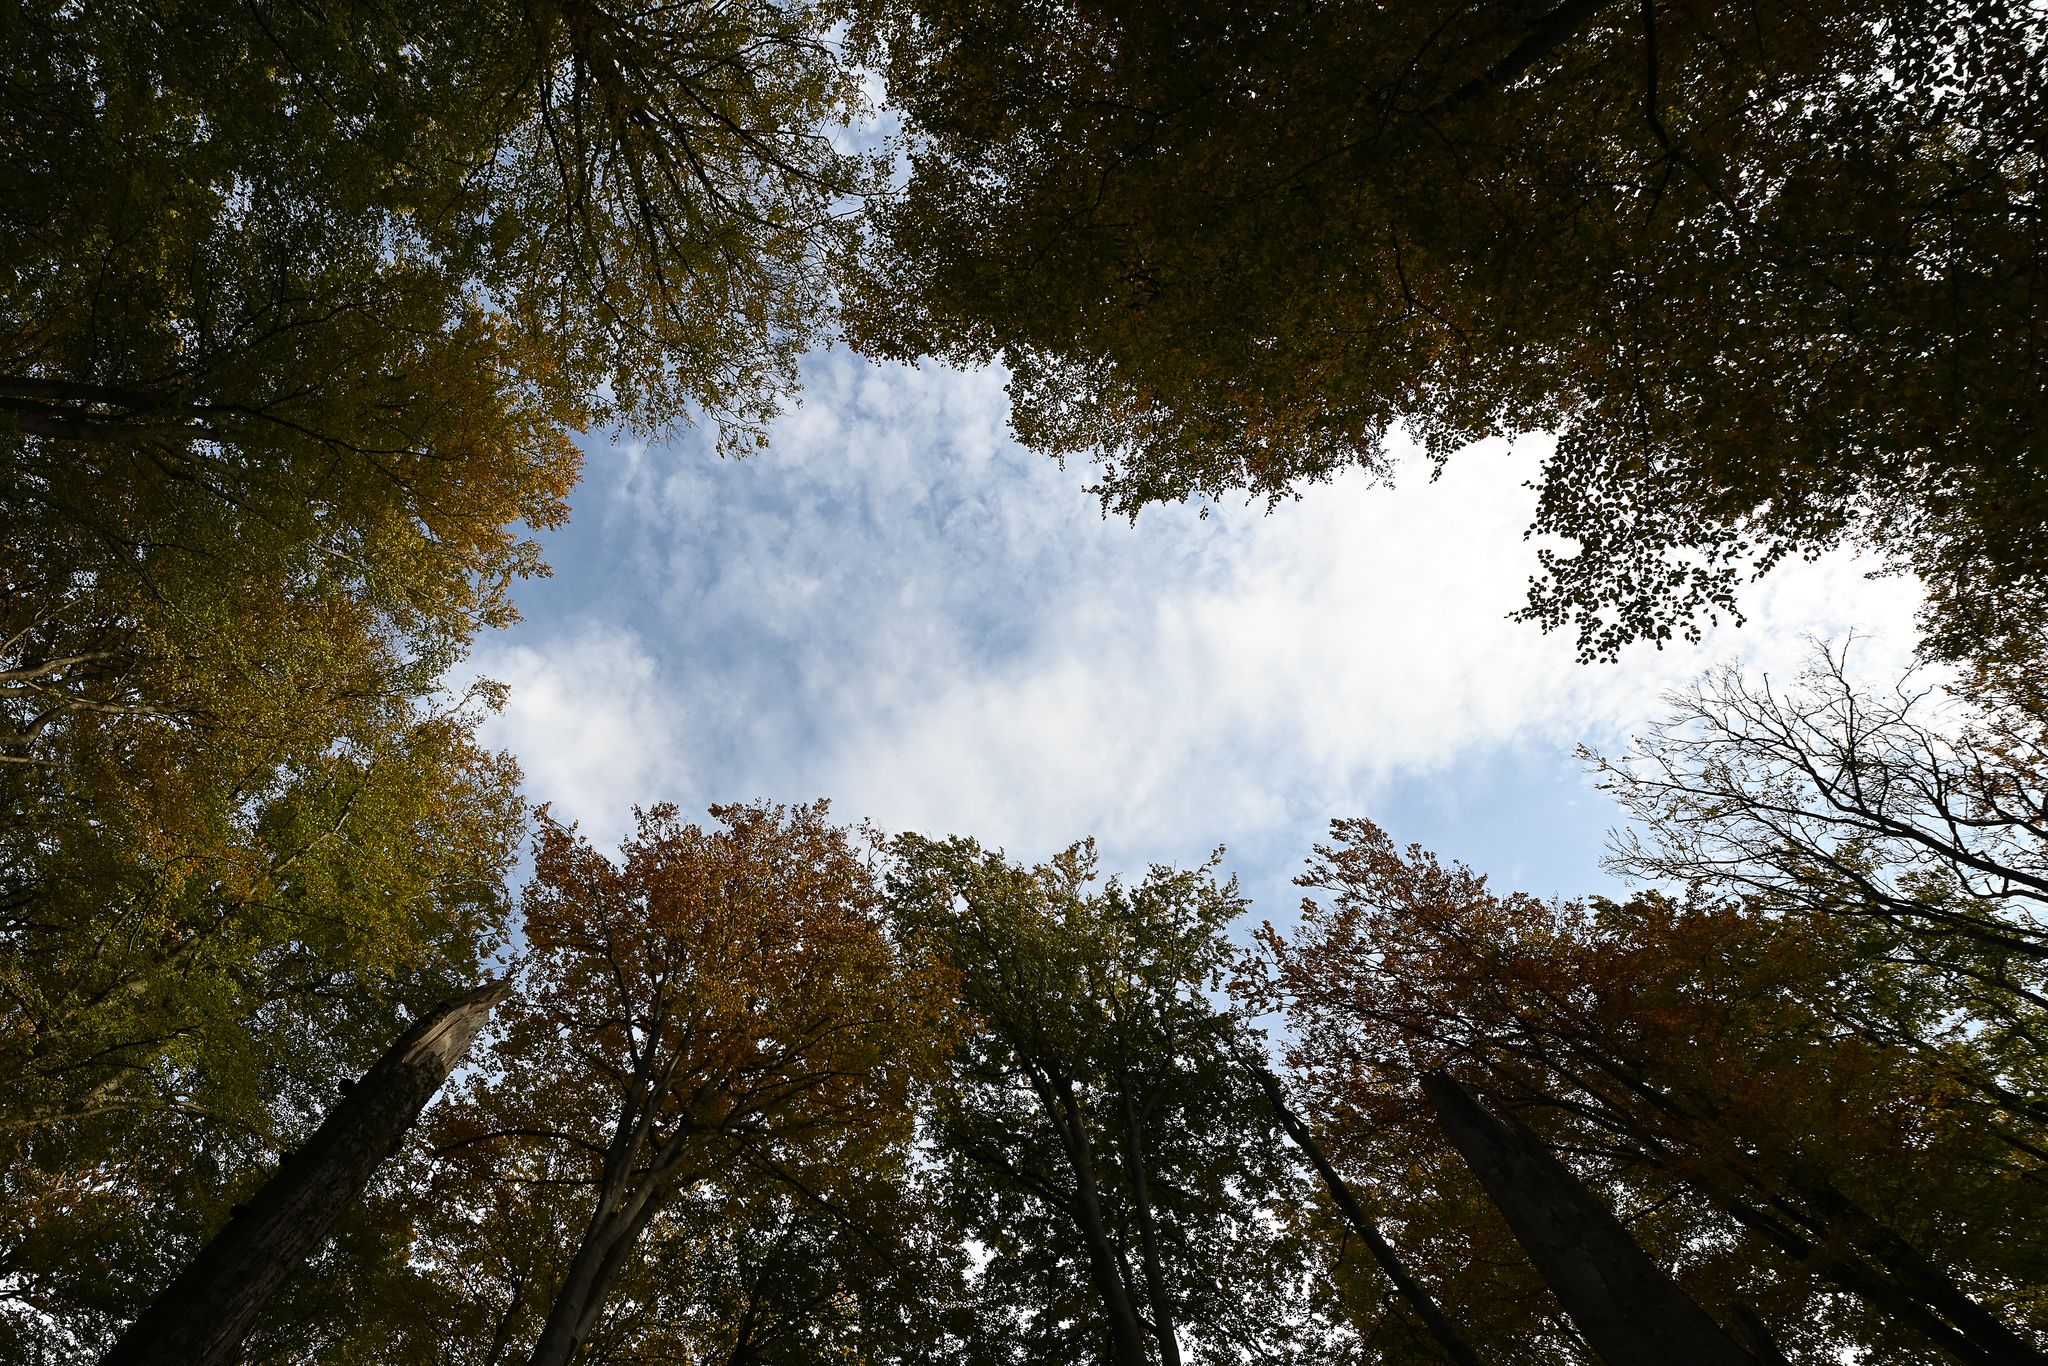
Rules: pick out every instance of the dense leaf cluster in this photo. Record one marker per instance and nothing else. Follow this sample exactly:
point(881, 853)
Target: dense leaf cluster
point(302, 309)
point(1771, 274)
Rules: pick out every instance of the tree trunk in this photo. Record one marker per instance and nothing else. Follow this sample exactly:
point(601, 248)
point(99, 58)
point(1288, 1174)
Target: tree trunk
point(1629, 1310)
point(1845, 1244)
point(501, 1338)
point(1155, 1279)
point(203, 1316)
point(1550, 33)
point(1127, 1339)
point(1918, 1276)
point(602, 1255)
point(1413, 1291)
point(1839, 1261)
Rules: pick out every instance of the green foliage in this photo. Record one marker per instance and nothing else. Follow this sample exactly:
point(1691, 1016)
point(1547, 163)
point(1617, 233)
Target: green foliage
point(181, 1004)
point(302, 307)
point(766, 1275)
point(1096, 1057)
point(734, 1268)
point(1772, 275)
point(275, 224)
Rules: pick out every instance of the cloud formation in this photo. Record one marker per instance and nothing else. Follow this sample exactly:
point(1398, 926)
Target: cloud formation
point(896, 607)
point(589, 719)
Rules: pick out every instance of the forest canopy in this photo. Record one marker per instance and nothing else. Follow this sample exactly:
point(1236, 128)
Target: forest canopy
point(1770, 274)
point(302, 310)
point(307, 315)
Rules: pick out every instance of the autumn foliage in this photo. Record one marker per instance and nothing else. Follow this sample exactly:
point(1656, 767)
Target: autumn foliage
point(715, 1009)
point(306, 313)
point(1788, 1108)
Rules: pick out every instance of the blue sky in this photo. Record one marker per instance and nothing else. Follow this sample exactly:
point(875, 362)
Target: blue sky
point(897, 608)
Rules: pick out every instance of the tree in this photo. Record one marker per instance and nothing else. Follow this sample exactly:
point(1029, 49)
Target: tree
point(201, 1318)
point(304, 306)
point(1441, 1329)
point(181, 1001)
point(1097, 1134)
point(1925, 804)
point(1769, 273)
point(768, 1276)
point(275, 228)
point(1626, 1307)
point(715, 1010)
point(743, 1269)
point(1780, 1106)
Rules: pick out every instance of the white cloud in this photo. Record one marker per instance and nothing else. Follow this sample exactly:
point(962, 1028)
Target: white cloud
point(898, 608)
point(591, 722)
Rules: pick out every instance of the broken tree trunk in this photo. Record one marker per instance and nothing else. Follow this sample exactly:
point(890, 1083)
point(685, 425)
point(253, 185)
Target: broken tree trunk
point(1628, 1308)
point(201, 1319)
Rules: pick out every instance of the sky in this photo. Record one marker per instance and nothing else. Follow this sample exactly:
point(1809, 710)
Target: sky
point(897, 608)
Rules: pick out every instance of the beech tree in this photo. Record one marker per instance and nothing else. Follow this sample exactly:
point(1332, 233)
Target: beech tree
point(305, 304)
point(1924, 803)
point(1770, 273)
point(203, 1316)
point(742, 1269)
point(717, 1010)
point(303, 308)
point(181, 1000)
point(1097, 1133)
point(770, 1275)
point(276, 229)
point(1801, 1120)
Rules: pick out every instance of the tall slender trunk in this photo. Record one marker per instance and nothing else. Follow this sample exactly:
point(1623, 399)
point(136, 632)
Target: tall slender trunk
point(1846, 1244)
point(1413, 1291)
point(1148, 1237)
point(501, 1338)
point(1629, 1309)
point(1127, 1338)
point(201, 1319)
point(1552, 31)
point(1913, 1272)
point(607, 1244)
point(1839, 1261)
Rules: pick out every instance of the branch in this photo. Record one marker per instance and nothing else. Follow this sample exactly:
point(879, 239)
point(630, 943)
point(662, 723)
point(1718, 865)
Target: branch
point(1553, 31)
